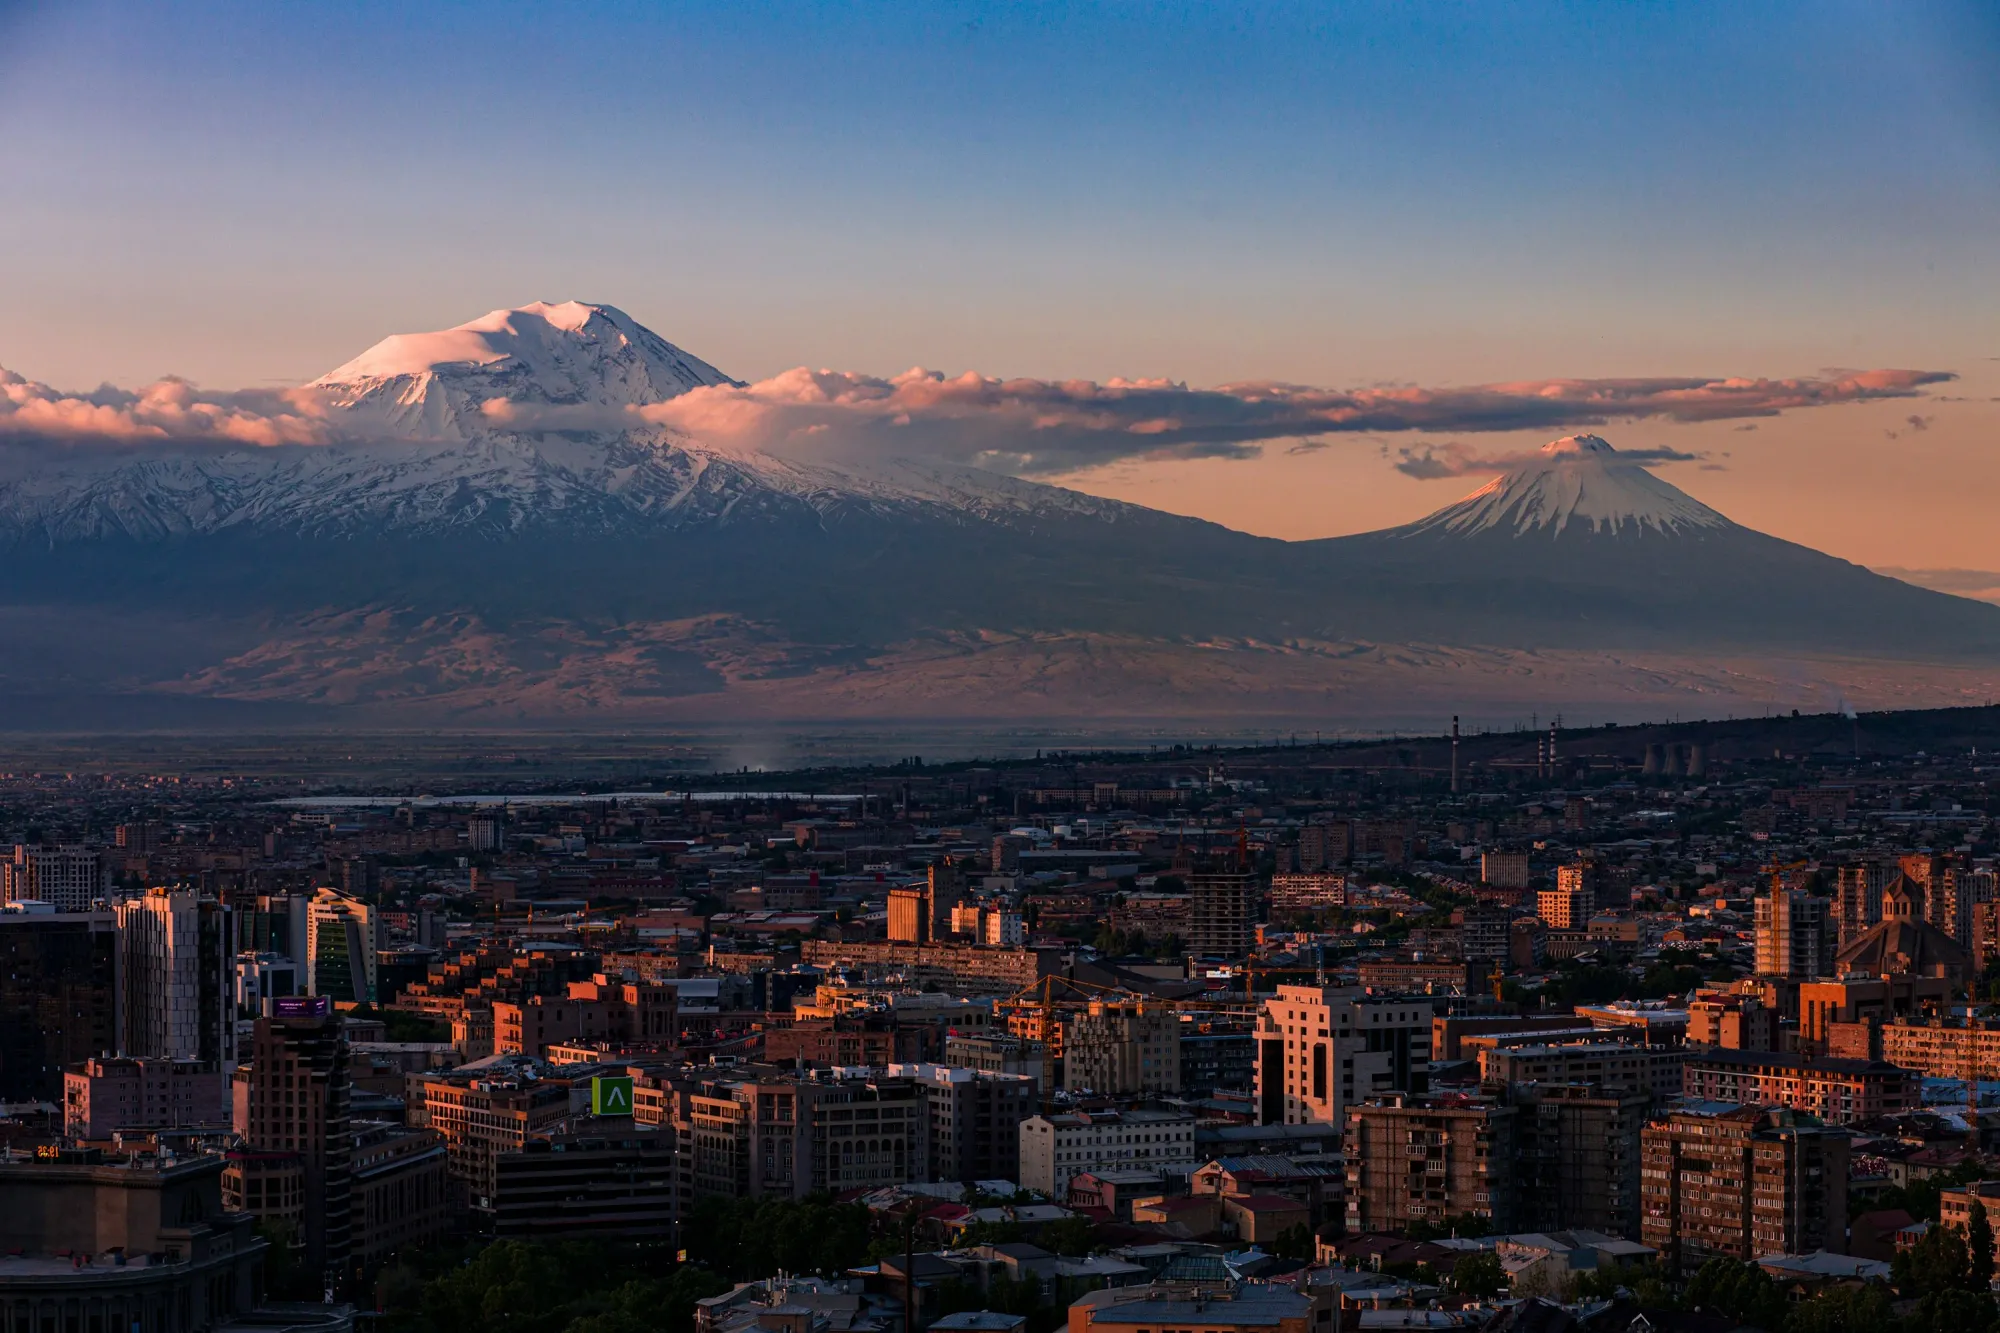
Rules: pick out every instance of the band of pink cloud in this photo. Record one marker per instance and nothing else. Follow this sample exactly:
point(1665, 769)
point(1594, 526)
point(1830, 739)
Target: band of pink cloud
point(1015, 425)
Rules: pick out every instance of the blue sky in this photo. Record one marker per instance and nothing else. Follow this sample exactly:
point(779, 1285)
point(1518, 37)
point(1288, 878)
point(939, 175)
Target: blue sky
point(1330, 194)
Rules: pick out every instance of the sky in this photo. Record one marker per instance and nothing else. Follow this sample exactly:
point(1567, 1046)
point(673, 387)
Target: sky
point(1349, 196)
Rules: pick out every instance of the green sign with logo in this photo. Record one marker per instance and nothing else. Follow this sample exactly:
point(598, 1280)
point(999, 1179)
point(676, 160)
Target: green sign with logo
point(611, 1096)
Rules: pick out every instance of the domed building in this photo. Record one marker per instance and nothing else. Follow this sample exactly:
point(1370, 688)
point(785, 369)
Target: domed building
point(1903, 944)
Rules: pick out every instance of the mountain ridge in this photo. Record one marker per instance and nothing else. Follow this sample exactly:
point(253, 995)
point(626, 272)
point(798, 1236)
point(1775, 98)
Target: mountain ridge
point(528, 557)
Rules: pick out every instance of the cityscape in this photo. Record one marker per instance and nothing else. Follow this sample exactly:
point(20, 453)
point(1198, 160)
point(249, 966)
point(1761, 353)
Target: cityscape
point(960, 667)
point(1450, 1028)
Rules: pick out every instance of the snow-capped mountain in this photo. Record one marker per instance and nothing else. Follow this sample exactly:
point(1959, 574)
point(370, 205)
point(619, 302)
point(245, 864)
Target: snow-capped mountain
point(418, 445)
point(1578, 481)
point(488, 515)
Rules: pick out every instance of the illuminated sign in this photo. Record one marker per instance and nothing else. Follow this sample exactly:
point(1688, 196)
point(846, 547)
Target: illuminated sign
point(302, 1006)
point(611, 1096)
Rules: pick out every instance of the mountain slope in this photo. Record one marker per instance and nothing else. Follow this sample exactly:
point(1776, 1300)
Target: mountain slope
point(442, 547)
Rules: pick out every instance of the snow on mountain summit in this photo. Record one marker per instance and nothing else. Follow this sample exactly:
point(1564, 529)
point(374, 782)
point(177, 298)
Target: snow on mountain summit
point(1578, 481)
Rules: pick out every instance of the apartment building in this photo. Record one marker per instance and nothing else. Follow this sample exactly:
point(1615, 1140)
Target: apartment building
point(68, 878)
point(1742, 1182)
point(107, 1094)
point(1123, 1048)
point(1837, 1091)
point(1320, 1048)
point(1410, 1159)
point(1577, 1153)
point(1569, 908)
point(1308, 891)
point(1655, 1070)
point(481, 1118)
point(1504, 870)
point(1057, 1148)
point(974, 1129)
point(591, 1011)
point(787, 1136)
point(1938, 1048)
point(1796, 936)
point(1222, 913)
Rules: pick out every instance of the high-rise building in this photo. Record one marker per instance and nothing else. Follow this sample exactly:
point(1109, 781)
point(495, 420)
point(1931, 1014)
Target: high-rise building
point(1741, 1182)
point(1577, 1156)
point(924, 915)
point(1568, 908)
point(975, 1120)
point(273, 923)
point(1857, 899)
point(1322, 1048)
point(1123, 1047)
point(1222, 913)
point(69, 878)
point(1413, 1160)
point(1795, 936)
point(343, 939)
point(291, 1110)
point(178, 975)
point(1504, 870)
point(59, 997)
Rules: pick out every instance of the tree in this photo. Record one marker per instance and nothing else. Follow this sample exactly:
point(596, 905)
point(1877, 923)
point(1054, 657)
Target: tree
point(1479, 1275)
point(1958, 1310)
point(1737, 1290)
point(1938, 1262)
point(1070, 1236)
point(1979, 1248)
point(1297, 1242)
point(1865, 1309)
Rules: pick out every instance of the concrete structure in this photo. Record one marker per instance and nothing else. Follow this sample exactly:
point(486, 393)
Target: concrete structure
point(787, 1137)
point(596, 1010)
point(481, 1116)
point(996, 1053)
point(1654, 1070)
point(1122, 1048)
point(1566, 908)
point(1838, 1091)
point(91, 1243)
point(1737, 1181)
point(961, 968)
point(974, 1129)
point(1577, 1156)
point(401, 1196)
point(1857, 899)
point(1732, 1020)
point(610, 1182)
point(1224, 913)
point(1823, 1005)
point(343, 937)
point(292, 1111)
point(178, 970)
point(70, 879)
point(60, 1002)
point(1504, 870)
point(1320, 1048)
point(1308, 891)
point(107, 1094)
point(1796, 936)
point(1413, 1160)
point(1941, 1049)
point(1055, 1149)
point(1220, 1305)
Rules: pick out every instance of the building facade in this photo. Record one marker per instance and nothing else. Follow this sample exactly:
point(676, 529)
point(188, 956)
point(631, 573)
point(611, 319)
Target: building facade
point(974, 1129)
point(1057, 1148)
point(1320, 1048)
point(292, 1111)
point(1411, 1160)
point(1741, 1182)
point(1797, 938)
point(1837, 1091)
point(1122, 1048)
point(60, 1003)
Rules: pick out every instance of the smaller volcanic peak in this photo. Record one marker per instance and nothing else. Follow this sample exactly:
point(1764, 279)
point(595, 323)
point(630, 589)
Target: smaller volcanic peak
point(1578, 484)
